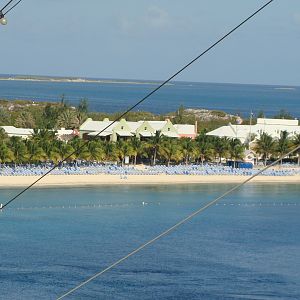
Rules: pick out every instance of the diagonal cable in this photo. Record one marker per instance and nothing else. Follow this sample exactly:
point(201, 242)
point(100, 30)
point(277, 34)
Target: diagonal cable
point(11, 8)
point(143, 99)
point(174, 227)
point(6, 5)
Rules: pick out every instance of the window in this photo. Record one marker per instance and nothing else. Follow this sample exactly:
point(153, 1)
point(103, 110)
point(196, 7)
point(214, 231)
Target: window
point(145, 128)
point(169, 129)
point(122, 127)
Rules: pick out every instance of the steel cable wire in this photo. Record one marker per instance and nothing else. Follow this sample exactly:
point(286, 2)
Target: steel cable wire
point(9, 8)
point(142, 100)
point(174, 227)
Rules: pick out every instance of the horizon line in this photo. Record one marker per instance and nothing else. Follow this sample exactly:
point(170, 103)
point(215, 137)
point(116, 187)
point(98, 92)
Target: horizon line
point(132, 80)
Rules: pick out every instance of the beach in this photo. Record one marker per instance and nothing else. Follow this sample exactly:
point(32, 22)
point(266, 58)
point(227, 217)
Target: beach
point(106, 179)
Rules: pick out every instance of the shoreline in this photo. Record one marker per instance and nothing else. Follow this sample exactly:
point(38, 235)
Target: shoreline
point(81, 80)
point(105, 179)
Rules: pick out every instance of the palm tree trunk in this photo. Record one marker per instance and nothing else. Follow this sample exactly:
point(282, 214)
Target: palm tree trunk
point(154, 157)
point(135, 160)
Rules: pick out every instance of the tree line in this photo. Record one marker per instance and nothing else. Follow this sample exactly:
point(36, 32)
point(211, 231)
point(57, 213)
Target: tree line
point(43, 146)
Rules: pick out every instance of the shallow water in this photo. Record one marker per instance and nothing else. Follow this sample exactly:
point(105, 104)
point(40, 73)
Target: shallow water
point(246, 247)
point(112, 97)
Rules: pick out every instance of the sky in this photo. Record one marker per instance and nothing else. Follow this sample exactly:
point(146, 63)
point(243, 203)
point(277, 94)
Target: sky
point(151, 39)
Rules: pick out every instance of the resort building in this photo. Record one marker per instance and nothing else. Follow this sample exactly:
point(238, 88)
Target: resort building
point(141, 129)
point(24, 133)
point(61, 134)
point(273, 127)
point(66, 134)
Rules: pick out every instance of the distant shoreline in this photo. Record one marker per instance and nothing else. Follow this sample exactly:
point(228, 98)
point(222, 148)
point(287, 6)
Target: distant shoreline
point(104, 179)
point(81, 80)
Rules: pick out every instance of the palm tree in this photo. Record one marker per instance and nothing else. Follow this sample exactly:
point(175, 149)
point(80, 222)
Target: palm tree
point(62, 150)
point(283, 144)
point(221, 146)
point(137, 147)
point(18, 149)
point(67, 119)
point(5, 153)
point(170, 150)
point(95, 151)
point(204, 146)
point(3, 135)
point(296, 143)
point(123, 148)
point(265, 146)
point(153, 144)
point(46, 139)
point(80, 148)
point(50, 150)
point(34, 151)
point(110, 152)
point(25, 119)
point(236, 150)
point(43, 136)
point(188, 149)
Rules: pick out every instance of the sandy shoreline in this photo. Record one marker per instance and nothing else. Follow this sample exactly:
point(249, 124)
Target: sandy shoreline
point(103, 179)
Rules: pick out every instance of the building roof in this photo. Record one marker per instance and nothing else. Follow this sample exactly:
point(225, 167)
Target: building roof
point(185, 129)
point(12, 130)
point(64, 131)
point(134, 125)
point(157, 125)
point(90, 125)
point(146, 134)
point(123, 133)
point(284, 122)
point(104, 133)
point(128, 128)
point(273, 127)
point(170, 134)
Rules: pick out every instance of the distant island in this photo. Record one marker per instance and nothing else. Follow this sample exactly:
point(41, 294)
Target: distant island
point(75, 80)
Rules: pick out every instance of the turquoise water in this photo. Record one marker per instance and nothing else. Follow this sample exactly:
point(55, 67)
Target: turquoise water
point(247, 247)
point(112, 97)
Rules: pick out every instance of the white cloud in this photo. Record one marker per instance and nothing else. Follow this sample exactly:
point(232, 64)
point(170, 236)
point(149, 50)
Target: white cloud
point(152, 20)
point(157, 18)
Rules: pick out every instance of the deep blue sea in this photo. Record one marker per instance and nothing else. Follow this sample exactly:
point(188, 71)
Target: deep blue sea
point(118, 96)
point(247, 247)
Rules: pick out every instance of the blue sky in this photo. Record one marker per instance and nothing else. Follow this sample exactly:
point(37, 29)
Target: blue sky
point(142, 39)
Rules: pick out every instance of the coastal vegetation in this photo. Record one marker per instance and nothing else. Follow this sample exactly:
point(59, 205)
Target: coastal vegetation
point(56, 115)
point(45, 118)
point(43, 146)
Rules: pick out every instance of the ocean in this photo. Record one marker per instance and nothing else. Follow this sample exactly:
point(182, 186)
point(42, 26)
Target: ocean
point(246, 247)
point(118, 96)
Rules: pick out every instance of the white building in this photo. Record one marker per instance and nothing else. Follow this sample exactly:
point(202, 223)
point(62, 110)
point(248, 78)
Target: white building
point(142, 129)
point(273, 127)
point(24, 133)
point(61, 134)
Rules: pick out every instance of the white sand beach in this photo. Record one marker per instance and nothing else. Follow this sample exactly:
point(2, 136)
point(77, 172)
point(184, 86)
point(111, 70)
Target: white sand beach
point(105, 179)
